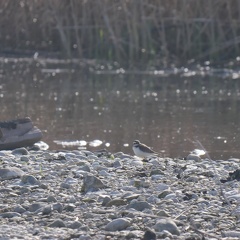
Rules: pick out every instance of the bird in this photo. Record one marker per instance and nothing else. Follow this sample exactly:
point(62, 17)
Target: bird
point(143, 151)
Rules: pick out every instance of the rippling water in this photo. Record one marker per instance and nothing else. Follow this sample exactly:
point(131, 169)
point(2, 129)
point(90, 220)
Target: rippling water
point(109, 109)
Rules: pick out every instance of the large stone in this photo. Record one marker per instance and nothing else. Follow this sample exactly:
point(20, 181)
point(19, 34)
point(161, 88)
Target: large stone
point(149, 234)
point(92, 183)
point(35, 206)
point(10, 173)
point(10, 215)
point(20, 151)
point(29, 179)
point(117, 225)
point(57, 224)
point(168, 225)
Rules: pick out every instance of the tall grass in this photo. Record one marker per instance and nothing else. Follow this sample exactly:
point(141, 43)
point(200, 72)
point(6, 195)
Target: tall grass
point(127, 31)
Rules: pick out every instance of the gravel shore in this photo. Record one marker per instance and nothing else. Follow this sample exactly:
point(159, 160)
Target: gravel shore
point(85, 195)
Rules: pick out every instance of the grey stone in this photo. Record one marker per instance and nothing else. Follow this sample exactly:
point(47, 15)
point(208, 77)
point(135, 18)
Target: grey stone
point(19, 209)
point(162, 213)
point(117, 164)
point(47, 210)
point(70, 207)
point(65, 185)
point(24, 159)
point(231, 234)
point(92, 183)
point(116, 202)
point(164, 193)
point(10, 173)
point(131, 197)
point(85, 168)
point(24, 190)
point(139, 205)
point(156, 172)
point(106, 200)
point(75, 225)
point(85, 237)
point(20, 151)
point(168, 225)
point(71, 181)
point(10, 215)
point(58, 207)
point(149, 235)
point(57, 224)
point(117, 224)
point(29, 179)
point(35, 206)
point(51, 199)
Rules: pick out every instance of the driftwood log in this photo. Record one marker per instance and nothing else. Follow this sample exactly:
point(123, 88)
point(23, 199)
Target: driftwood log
point(18, 133)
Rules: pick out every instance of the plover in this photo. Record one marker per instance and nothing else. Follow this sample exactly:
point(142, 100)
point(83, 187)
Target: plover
point(143, 151)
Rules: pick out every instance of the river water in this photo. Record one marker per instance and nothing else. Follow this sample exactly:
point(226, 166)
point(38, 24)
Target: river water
point(96, 108)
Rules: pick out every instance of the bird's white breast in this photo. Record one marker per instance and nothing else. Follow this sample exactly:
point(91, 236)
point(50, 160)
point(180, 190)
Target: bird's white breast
point(140, 153)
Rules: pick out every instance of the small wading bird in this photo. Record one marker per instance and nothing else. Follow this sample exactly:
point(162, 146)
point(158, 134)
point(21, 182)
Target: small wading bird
point(143, 151)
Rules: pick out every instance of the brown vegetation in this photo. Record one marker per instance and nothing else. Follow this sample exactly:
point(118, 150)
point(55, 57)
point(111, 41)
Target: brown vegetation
point(127, 31)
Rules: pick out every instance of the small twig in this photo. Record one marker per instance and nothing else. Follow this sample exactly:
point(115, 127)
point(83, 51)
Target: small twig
point(184, 211)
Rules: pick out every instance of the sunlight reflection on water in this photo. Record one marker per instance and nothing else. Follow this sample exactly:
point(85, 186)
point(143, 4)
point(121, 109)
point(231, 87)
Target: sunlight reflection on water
point(77, 108)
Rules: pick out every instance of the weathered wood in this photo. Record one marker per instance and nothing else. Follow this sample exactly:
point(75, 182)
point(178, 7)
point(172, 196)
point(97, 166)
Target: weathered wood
point(18, 133)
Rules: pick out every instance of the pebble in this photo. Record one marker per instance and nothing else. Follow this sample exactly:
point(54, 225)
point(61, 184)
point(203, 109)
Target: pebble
point(92, 183)
point(20, 151)
point(75, 225)
point(35, 206)
point(117, 225)
point(29, 179)
point(116, 202)
point(166, 224)
point(149, 235)
point(9, 214)
point(57, 224)
point(51, 199)
point(82, 195)
point(10, 173)
point(139, 205)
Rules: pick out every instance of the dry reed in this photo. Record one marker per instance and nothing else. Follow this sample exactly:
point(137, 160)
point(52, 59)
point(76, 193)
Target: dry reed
point(127, 31)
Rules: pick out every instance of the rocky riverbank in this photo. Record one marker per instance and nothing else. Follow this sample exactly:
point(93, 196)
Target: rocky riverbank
point(85, 195)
